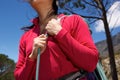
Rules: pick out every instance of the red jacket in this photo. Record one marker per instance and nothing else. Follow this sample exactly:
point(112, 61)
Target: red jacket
point(70, 50)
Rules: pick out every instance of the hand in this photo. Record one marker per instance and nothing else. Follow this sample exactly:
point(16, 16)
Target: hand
point(53, 27)
point(39, 42)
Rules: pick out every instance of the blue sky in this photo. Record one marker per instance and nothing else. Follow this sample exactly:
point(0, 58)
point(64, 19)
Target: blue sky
point(13, 16)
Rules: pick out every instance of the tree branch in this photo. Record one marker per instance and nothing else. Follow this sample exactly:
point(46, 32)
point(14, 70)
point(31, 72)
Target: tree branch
point(93, 21)
point(90, 4)
point(91, 17)
point(83, 15)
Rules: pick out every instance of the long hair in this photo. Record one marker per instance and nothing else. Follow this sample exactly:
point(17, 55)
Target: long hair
point(54, 12)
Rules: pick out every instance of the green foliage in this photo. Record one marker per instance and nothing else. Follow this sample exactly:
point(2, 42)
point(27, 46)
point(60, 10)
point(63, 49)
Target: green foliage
point(8, 76)
point(7, 66)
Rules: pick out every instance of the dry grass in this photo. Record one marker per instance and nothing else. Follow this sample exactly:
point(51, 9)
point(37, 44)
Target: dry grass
point(106, 66)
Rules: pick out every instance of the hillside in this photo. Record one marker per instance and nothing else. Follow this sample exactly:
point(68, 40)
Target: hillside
point(102, 45)
point(106, 66)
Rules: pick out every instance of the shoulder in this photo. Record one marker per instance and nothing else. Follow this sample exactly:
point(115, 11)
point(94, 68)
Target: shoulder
point(78, 18)
point(25, 35)
point(74, 18)
point(78, 22)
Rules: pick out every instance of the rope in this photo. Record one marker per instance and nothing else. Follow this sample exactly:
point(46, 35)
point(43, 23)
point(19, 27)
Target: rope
point(38, 57)
point(38, 64)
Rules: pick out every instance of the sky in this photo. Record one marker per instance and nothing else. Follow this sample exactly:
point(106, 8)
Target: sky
point(15, 14)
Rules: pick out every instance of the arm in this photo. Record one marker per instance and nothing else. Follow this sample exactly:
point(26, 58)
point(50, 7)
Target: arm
point(80, 49)
point(25, 66)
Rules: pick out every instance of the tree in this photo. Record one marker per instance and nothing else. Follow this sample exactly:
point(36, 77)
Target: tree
point(95, 10)
point(7, 66)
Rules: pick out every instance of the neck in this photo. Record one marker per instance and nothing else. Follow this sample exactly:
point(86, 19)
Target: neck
point(44, 16)
point(43, 12)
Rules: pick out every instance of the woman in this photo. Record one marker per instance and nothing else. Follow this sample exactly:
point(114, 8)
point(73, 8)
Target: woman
point(68, 47)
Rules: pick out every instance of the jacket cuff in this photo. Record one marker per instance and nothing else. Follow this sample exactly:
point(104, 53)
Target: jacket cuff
point(61, 33)
point(30, 60)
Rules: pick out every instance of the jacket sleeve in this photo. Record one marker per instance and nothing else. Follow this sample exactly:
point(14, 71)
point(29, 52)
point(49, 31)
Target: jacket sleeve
point(78, 46)
point(25, 66)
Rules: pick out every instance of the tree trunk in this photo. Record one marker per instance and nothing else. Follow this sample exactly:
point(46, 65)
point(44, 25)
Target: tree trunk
point(110, 48)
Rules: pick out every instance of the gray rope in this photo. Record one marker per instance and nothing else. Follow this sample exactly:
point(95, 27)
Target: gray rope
point(38, 57)
point(38, 64)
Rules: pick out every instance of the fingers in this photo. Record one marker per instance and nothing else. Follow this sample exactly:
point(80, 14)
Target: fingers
point(53, 27)
point(53, 22)
point(40, 41)
point(42, 36)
